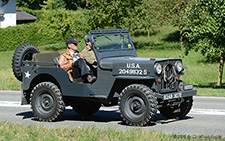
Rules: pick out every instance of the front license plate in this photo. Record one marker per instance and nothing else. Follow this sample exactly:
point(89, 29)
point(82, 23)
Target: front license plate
point(172, 96)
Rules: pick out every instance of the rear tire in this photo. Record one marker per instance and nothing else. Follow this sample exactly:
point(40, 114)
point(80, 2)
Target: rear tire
point(46, 102)
point(22, 53)
point(137, 104)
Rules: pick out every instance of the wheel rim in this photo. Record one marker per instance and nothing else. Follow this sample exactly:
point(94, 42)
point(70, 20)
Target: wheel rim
point(44, 103)
point(135, 106)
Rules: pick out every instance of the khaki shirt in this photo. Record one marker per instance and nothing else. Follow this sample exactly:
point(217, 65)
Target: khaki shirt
point(89, 56)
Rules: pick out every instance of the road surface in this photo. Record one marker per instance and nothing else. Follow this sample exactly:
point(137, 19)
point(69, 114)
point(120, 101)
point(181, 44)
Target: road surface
point(206, 118)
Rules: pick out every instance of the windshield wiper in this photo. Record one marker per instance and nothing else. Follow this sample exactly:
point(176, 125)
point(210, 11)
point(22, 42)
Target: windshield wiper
point(107, 38)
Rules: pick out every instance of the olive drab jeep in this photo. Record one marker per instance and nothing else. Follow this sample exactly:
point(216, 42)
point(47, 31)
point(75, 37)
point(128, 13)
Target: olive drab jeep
point(138, 85)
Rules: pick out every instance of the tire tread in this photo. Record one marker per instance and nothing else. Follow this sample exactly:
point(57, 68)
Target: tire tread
point(60, 108)
point(151, 99)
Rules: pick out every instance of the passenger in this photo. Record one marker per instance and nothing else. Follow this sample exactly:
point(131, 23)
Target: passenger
point(71, 61)
point(89, 55)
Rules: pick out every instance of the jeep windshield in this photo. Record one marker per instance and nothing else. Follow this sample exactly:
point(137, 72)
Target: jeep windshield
point(106, 42)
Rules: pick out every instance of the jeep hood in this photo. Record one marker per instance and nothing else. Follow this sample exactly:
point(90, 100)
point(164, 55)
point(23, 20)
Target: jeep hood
point(109, 63)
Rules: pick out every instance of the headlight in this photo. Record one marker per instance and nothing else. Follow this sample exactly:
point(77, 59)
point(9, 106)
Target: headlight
point(179, 66)
point(158, 68)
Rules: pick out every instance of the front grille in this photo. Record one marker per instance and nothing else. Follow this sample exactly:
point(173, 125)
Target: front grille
point(169, 76)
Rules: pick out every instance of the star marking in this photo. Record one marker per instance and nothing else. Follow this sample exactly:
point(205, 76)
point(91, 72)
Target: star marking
point(27, 74)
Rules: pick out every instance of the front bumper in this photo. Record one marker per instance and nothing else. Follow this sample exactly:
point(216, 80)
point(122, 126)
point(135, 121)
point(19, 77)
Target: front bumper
point(174, 95)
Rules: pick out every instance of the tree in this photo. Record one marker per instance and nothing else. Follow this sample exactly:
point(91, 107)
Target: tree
point(66, 23)
point(112, 13)
point(150, 14)
point(53, 4)
point(206, 23)
point(174, 12)
point(74, 4)
point(31, 4)
point(147, 15)
point(179, 12)
point(37, 4)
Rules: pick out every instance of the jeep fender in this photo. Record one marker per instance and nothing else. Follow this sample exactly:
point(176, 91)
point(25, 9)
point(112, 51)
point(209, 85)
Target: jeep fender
point(122, 81)
point(38, 75)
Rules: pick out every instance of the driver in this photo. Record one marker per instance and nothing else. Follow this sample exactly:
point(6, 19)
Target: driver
point(89, 55)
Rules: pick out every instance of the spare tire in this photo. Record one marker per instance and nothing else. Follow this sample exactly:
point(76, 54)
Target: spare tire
point(23, 53)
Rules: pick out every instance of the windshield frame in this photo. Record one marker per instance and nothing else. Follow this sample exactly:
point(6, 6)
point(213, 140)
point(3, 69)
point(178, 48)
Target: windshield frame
point(111, 53)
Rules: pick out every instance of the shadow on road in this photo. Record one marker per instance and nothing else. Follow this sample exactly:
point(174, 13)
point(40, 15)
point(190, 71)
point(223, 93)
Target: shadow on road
point(69, 114)
point(160, 119)
point(101, 116)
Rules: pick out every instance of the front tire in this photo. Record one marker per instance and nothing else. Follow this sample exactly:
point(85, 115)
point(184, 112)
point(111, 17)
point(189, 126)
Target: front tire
point(46, 102)
point(137, 105)
point(177, 111)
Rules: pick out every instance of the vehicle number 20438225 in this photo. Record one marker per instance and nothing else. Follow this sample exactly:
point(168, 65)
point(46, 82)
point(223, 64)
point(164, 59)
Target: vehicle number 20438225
point(133, 71)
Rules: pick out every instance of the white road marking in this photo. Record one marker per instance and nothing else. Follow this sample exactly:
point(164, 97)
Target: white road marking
point(208, 111)
point(112, 108)
point(9, 91)
point(209, 97)
point(12, 104)
point(220, 112)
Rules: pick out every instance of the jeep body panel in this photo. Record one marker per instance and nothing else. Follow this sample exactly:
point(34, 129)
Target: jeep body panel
point(99, 89)
point(139, 68)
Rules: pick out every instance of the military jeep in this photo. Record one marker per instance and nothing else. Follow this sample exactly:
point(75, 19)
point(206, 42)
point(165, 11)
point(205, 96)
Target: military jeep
point(138, 85)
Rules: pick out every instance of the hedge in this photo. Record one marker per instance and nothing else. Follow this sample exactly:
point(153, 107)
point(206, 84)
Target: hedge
point(12, 37)
point(47, 30)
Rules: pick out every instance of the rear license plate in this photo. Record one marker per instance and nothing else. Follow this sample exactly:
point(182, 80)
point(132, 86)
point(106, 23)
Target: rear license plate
point(172, 96)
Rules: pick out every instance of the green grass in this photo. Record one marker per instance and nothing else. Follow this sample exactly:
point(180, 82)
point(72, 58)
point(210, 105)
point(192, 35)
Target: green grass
point(25, 132)
point(7, 79)
point(163, 43)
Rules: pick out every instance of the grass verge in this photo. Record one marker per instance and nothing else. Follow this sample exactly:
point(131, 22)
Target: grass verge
point(9, 131)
